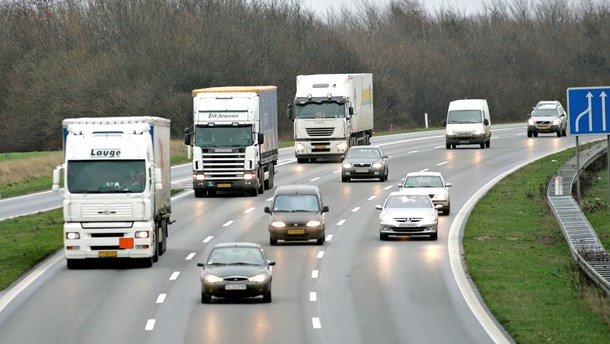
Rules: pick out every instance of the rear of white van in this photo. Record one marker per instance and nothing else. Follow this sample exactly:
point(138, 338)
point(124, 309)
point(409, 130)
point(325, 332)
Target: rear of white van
point(468, 122)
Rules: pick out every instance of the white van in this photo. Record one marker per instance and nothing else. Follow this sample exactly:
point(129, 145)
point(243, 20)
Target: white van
point(468, 122)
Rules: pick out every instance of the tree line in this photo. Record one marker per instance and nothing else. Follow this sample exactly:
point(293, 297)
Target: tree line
point(75, 58)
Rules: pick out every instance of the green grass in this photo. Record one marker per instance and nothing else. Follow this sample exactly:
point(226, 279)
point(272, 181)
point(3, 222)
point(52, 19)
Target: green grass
point(26, 241)
point(18, 189)
point(18, 156)
point(521, 264)
point(594, 204)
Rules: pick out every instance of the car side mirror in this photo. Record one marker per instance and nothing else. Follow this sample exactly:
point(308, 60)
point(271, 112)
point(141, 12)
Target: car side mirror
point(325, 209)
point(201, 265)
point(267, 210)
point(448, 185)
point(378, 207)
point(438, 206)
point(270, 262)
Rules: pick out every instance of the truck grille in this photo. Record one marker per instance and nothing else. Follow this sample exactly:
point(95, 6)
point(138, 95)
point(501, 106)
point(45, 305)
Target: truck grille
point(110, 210)
point(224, 166)
point(320, 132)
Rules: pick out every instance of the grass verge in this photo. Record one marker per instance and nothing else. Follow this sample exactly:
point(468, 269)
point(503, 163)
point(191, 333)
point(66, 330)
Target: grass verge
point(521, 263)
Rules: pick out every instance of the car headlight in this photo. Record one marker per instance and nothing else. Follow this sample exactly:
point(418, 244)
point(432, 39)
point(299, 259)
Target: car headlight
point(258, 278)
point(556, 121)
point(377, 165)
point(530, 121)
point(212, 278)
point(347, 165)
point(313, 223)
point(386, 218)
point(278, 224)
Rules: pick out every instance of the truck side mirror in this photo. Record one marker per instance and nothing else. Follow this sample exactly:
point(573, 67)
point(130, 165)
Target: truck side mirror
point(350, 110)
point(261, 138)
point(187, 136)
point(56, 177)
point(289, 112)
point(485, 121)
point(444, 123)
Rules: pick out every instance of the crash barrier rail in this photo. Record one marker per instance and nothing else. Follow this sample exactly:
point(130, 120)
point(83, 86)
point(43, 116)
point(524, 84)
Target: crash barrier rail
point(586, 248)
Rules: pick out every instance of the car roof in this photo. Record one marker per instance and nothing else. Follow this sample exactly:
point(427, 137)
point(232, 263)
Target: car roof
point(238, 244)
point(428, 173)
point(363, 147)
point(409, 192)
point(547, 106)
point(295, 189)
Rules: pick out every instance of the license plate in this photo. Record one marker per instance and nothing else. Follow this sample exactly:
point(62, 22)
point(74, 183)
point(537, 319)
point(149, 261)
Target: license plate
point(235, 287)
point(319, 147)
point(296, 231)
point(361, 170)
point(543, 126)
point(464, 141)
point(223, 185)
point(407, 225)
point(107, 254)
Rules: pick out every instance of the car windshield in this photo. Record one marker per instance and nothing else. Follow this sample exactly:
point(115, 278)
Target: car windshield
point(236, 256)
point(363, 153)
point(464, 116)
point(545, 113)
point(295, 203)
point(408, 201)
point(423, 182)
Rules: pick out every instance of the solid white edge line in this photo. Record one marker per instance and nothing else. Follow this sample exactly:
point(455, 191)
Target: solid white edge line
point(479, 310)
point(29, 279)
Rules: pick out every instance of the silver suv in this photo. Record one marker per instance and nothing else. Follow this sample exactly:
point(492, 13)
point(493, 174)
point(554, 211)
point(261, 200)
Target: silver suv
point(547, 117)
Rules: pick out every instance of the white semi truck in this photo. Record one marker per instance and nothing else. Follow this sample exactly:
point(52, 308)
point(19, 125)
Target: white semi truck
point(234, 139)
point(331, 112)
point(117, 196)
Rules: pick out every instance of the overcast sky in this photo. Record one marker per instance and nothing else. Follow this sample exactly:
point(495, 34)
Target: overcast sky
point(465, 6)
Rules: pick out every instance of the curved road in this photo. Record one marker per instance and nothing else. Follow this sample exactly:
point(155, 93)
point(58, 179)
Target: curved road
point(353, 289)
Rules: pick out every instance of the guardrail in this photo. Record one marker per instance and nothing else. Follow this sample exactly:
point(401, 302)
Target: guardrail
point(586, 248)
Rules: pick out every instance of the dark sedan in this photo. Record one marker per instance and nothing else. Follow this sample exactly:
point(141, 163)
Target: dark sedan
point(364, 162)
point(236, 270)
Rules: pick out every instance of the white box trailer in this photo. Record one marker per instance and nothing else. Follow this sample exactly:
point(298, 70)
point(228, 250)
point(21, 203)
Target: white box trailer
point(331, 112)
point(234, 139)
point(117, 192)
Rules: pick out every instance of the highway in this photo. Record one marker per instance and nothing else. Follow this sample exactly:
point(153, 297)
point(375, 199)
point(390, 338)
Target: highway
point(353, 289)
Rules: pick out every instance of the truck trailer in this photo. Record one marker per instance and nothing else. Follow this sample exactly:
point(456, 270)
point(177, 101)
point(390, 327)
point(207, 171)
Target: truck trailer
point(117, 196)
point(331, 112)
point(234, 139)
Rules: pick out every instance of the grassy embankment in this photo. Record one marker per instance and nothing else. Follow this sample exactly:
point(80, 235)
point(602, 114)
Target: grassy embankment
point(517, 257)
point(521, 263)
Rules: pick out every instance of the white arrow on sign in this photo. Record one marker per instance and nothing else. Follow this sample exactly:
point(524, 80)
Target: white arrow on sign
point(603, 97)
point(588, 110)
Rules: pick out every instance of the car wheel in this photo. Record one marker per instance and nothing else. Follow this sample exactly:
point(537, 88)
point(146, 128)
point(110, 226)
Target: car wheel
point(344, 179)
point(529, 133)
point(383, 236)
point(559, 133)
point(205, 298)
point(535, 134)
point(563, 132)
point(447, 210)
point(454, 146)
point(267, 297)
point(434, 236)
point(447, 145)
point(321, 240)
point(488, 143)
point(272, 241)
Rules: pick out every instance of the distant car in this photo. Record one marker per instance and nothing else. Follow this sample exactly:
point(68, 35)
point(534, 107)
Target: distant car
point(297, 213)
point(547, 117)
point(408, 213)
point(364, 162)
point(236, 270)
point(431, 183)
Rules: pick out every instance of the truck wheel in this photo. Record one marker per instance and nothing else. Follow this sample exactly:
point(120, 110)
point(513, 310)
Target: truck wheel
point(199, 193)
point(301, 160)
point(447, 146)
point(75, 263)
point(269, 181)
point(155, 257)
point(163, 243)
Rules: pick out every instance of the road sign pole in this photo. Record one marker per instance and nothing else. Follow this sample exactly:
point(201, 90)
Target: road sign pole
point(577, 172)
point(608, 166)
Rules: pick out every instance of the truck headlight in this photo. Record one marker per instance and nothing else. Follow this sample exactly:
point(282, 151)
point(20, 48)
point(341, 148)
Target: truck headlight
point(342, 146)
point(249, 176)
point(299, 146)
point(198, 177)
point(72, 235)
point(142, 234)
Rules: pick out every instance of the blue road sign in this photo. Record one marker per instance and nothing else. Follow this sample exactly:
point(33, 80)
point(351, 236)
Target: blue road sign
point(587, 110)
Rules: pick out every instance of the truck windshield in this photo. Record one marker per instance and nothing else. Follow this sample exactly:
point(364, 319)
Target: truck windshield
point(106, 176)
point(221, 136)
point(464, 116)
point(320, 110)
